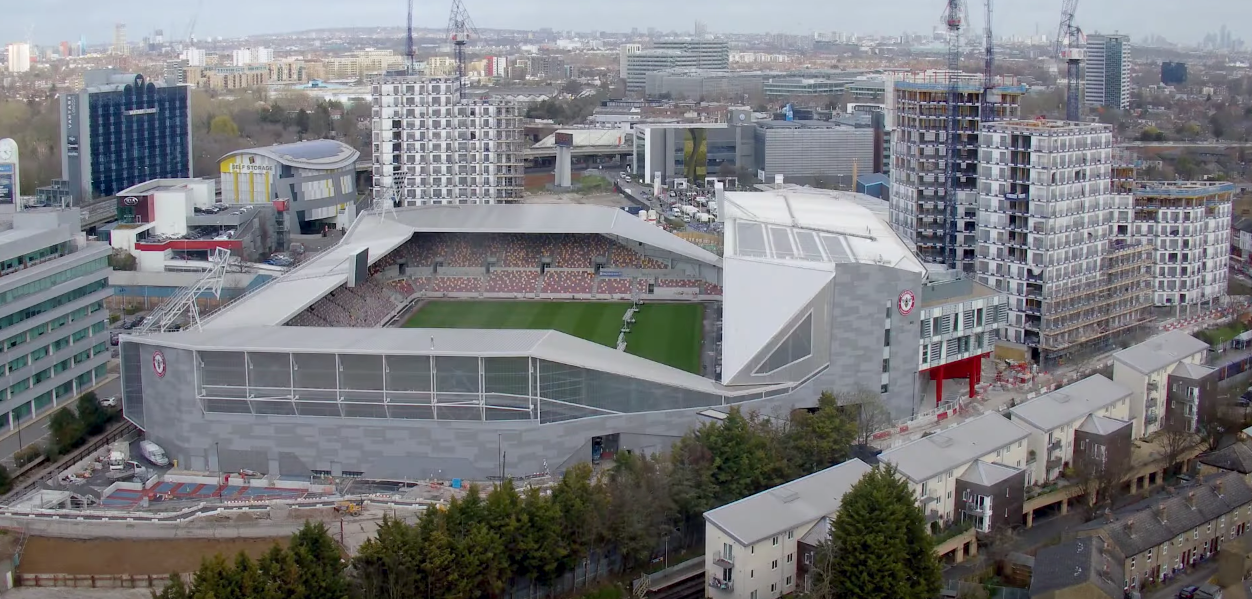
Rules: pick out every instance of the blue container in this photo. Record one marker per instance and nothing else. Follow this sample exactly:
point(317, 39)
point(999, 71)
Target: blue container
point(456, 483)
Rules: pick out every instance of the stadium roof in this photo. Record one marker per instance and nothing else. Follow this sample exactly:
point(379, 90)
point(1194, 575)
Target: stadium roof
point(590, 138)
point(783, 246)
point(325, 154)
point(544, 344)
point(548, 218)
point(292, 293)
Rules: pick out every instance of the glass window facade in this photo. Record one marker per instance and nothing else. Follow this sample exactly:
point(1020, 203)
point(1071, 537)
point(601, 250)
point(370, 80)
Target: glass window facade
point(797, 346)
point(460, 388)
point(138, 133)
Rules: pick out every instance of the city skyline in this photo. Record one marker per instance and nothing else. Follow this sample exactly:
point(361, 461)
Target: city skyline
point(48, 23)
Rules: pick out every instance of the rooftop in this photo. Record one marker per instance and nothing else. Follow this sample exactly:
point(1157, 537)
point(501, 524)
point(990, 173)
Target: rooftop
point(1162, 517)
point(987, 474)
point(1160, 351)
point(314, 154)
point(1070, 403)
point(1236, 457)
point(1099, 425)
point(927, 457)
point(787, 506)
point(1192, 371)
point(1085, 560)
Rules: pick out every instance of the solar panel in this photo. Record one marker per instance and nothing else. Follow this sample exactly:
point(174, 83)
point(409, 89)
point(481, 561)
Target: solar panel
point(750, 240)
point(810, 248)
point(837, 249)
point(781, 239)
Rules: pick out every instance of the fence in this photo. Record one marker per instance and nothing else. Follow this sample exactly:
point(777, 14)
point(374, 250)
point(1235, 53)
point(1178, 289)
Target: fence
point(98, 581)
point(118, 431)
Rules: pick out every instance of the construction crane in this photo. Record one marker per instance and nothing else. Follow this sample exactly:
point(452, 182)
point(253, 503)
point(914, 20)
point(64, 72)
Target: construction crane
point(460, 30)
point(410, 52)
point(986, 112)
point(1071, 47)
point(954, 21)
point(191, 26)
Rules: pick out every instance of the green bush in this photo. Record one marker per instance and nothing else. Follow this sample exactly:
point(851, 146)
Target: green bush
point(27, 455)
point(113, 318)
point(6, 480)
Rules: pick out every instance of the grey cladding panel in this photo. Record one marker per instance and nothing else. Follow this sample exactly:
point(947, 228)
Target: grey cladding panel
point(809, 247)
point(750, 240)
point(781, 241)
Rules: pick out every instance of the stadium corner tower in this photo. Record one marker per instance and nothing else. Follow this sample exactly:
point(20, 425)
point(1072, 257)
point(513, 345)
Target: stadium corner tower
point(312, 374)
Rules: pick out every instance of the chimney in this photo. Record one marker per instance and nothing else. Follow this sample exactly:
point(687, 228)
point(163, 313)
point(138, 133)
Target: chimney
point(1217, 486)
point(1160, 511)
point(1130, 527)
point(1191, 499)
point(1108, 515)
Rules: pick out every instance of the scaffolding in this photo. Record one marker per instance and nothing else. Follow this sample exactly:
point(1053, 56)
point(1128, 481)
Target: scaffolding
point(1091, 315)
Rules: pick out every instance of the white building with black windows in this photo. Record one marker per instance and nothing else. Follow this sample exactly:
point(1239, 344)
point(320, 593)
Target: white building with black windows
point(432, 147)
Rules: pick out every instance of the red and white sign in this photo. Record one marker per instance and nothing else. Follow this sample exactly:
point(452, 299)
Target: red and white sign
point(158, 364)
point(906, 302)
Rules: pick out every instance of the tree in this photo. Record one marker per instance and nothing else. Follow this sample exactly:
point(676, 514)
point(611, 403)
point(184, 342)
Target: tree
point(91, 414)
point(821, 439)
point(319, 561)
point(176, 589)
point(6, 481)
point(872, 415)
point(223, 125)
point(878, 544)
point(67, 430)
point(1176, 438)
point(1096, 475)
point(302, 121)
point(583, 505)
point(739, 456)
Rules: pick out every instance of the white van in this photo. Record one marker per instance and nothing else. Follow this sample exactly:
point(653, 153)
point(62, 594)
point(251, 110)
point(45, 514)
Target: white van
point(153, 453)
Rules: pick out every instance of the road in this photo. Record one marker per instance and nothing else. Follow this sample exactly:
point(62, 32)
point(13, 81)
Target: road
point(35, 430)
point(1198, 576)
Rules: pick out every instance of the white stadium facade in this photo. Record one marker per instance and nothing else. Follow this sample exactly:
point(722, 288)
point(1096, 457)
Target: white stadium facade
point(816, 293)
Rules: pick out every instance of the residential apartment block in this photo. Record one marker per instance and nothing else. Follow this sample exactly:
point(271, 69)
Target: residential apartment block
point(918, 120)
point(1053, 235)
point(1095, 407)
point(1189, 225)
point(671, 54)
point(1107, 69)
point(1146, 369)
point(753, 546)
point(431, 147)
point(953, 471)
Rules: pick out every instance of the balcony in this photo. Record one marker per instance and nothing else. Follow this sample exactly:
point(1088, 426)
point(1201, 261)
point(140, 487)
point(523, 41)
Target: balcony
point(1054, 463)
point(1054, 446)
point(932, 516)
point(726, 561)
point(978, 509)
point(723, 585)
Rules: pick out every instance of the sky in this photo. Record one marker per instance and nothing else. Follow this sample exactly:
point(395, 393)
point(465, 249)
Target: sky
point(51, 21)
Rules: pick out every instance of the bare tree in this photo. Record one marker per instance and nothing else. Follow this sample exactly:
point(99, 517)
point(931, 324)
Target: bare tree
point(1096, 481)
point(872, 416)
point(1175, 439)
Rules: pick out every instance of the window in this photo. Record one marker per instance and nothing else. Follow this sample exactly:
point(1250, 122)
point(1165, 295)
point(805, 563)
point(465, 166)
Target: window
point(884, 388)
point(773, 588)
point(773, 565)
point(752, 595)
point(808, 558)
point(788, 581)
point(1132, 563)
point(791, 534)
point(775, 542)
point(886, 338)
point(791, 557)
point(797, 346)
point(886, 365)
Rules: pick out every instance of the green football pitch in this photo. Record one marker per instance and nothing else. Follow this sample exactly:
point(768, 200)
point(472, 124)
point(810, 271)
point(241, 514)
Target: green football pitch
point(665, 333)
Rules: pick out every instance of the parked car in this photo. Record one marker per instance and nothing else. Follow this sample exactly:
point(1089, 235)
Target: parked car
point(109, 402)
point(1245, 400)
point(153, 453)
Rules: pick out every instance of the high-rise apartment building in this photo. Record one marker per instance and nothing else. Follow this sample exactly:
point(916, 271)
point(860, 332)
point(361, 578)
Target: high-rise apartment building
point(1188, 224)
point(919, 110)
point(249, 56)
point(55, 283)
point(1054, 233)
point(120, 46)
point(19, 57)
point(195, 57)
point(122, 130)
point(711, 54)
point(1107, 66)
point(431, 147)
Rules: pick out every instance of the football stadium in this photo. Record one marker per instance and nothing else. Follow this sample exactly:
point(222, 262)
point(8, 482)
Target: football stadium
point(474, 341)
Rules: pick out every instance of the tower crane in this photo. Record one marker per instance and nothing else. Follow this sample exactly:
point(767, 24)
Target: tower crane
point(954, 21)
point(410, 52)
point(1071, 47)
point(460, 30)
point(986, 111)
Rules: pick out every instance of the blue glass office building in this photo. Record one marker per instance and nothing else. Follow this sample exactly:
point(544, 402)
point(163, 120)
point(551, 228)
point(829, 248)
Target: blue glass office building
point(122, 130)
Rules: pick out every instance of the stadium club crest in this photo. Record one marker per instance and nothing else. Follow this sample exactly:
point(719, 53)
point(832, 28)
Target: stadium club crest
point(158, 364)
point(906, 303)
